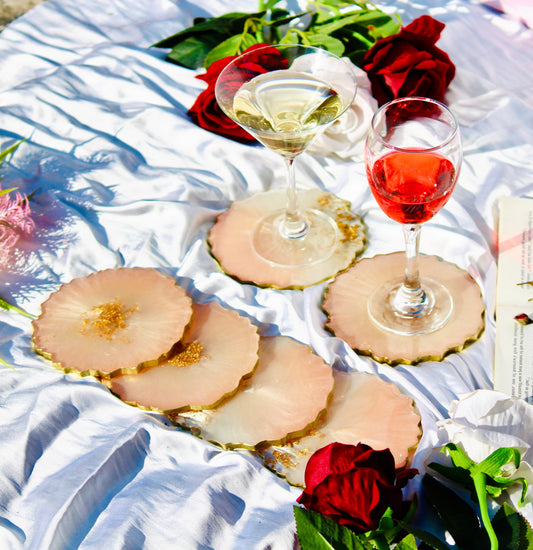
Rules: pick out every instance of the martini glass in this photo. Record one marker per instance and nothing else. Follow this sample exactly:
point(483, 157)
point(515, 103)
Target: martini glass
point(413, 156)
point(284, 95)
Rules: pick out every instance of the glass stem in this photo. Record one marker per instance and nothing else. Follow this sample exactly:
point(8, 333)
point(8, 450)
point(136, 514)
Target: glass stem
point(294, 225)
point(411, 301)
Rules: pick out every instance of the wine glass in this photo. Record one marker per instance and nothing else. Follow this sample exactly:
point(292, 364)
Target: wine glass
point(413, 155)
point(284, 95)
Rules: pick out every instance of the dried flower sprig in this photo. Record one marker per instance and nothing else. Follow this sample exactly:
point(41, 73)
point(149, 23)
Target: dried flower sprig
point(15, 220)
point(523, 319)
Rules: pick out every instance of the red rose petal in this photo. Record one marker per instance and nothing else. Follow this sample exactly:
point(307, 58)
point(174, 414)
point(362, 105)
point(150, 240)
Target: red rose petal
point(409, 63)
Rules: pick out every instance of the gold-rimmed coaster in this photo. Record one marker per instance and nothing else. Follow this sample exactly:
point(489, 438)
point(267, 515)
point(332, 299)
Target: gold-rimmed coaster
point(345, 303)
point(231, 243)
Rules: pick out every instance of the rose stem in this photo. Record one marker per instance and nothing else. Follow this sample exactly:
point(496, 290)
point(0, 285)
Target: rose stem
point(481, 490)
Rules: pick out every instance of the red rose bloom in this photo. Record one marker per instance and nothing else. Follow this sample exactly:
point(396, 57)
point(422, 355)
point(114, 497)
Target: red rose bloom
point(354, 485)
point(206, 111)
point(207, 114)
point(409, 63)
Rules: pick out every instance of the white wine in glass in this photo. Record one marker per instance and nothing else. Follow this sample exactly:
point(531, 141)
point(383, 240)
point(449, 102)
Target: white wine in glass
point(284, 95)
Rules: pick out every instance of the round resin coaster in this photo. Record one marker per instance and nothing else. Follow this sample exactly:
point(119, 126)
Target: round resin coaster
point(363, 409)
point(345, 303)
point(286, 394)
point(231, 240)
point(218, 349)
point(111, 320)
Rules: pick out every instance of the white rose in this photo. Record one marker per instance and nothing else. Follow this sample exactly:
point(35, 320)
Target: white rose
point(346, 136)
point(483, 421)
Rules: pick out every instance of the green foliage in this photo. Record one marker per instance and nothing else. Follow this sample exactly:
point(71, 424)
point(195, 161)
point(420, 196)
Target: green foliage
point(514, 532)
point(318, 532)
point(508, 530)
point(345, 28)
point(457, 517)
point(488, 478)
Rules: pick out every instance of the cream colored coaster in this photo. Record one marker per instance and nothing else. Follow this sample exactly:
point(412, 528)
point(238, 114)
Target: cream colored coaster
point(345, 303)
point(231, 243)
point(363, 409)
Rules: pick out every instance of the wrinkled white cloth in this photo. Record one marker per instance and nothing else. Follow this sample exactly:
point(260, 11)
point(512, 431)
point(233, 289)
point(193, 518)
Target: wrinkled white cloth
point(518, 9)
point(122, 177)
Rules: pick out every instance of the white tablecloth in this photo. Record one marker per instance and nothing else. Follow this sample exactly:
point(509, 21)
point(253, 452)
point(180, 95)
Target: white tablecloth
point(122, 177)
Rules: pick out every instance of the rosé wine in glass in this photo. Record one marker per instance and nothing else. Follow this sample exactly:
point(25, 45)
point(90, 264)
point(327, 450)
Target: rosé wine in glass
point(411, 187)
point(413, 155)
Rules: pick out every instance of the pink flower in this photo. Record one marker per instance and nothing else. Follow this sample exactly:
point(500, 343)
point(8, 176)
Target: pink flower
point(15, 221)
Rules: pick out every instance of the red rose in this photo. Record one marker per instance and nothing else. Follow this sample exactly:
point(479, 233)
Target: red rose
point(207, 114)
point(206, 111)
point(409, 63)
point(354, 485)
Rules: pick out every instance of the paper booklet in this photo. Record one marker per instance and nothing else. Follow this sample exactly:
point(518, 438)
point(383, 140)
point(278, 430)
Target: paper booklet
point(513, 367)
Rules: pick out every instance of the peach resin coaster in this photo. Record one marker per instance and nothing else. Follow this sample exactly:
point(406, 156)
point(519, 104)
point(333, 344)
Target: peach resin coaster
point(231, 243)
point(363, 409)
point(346, 298)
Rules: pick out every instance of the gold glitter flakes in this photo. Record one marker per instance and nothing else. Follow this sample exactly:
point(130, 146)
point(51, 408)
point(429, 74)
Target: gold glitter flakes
point(189, 356)
point(107, 319)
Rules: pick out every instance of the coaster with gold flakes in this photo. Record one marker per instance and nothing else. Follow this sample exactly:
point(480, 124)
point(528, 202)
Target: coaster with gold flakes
point(288, 391)
point(218, 349)
point(111, 321)
point(345, 303)
point(231, 240)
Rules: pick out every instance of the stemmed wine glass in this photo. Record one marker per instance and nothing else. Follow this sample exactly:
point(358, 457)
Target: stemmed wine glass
point(284, 95)
point(413, 156)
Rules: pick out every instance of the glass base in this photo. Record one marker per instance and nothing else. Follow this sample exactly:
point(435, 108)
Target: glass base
point(311, 246)
point(427, 317)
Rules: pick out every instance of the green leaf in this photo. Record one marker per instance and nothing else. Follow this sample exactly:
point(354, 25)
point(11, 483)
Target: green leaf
point(458, 475)
point(191, 53)
point(271, 28)
point(282, 17)
point(492, 465)
point(334, 24)
point(428, 540)
point(355, 37)
point(512, 529)
point(225, 25)
point(459, 457)
point(456, 515)
point(407, 543)
point(327, 42)
point(234, 45)
point(9, 150)
point(269, 5)
point(318, 532)
point(361, 20)
point(387, 27)
point(386, 522)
